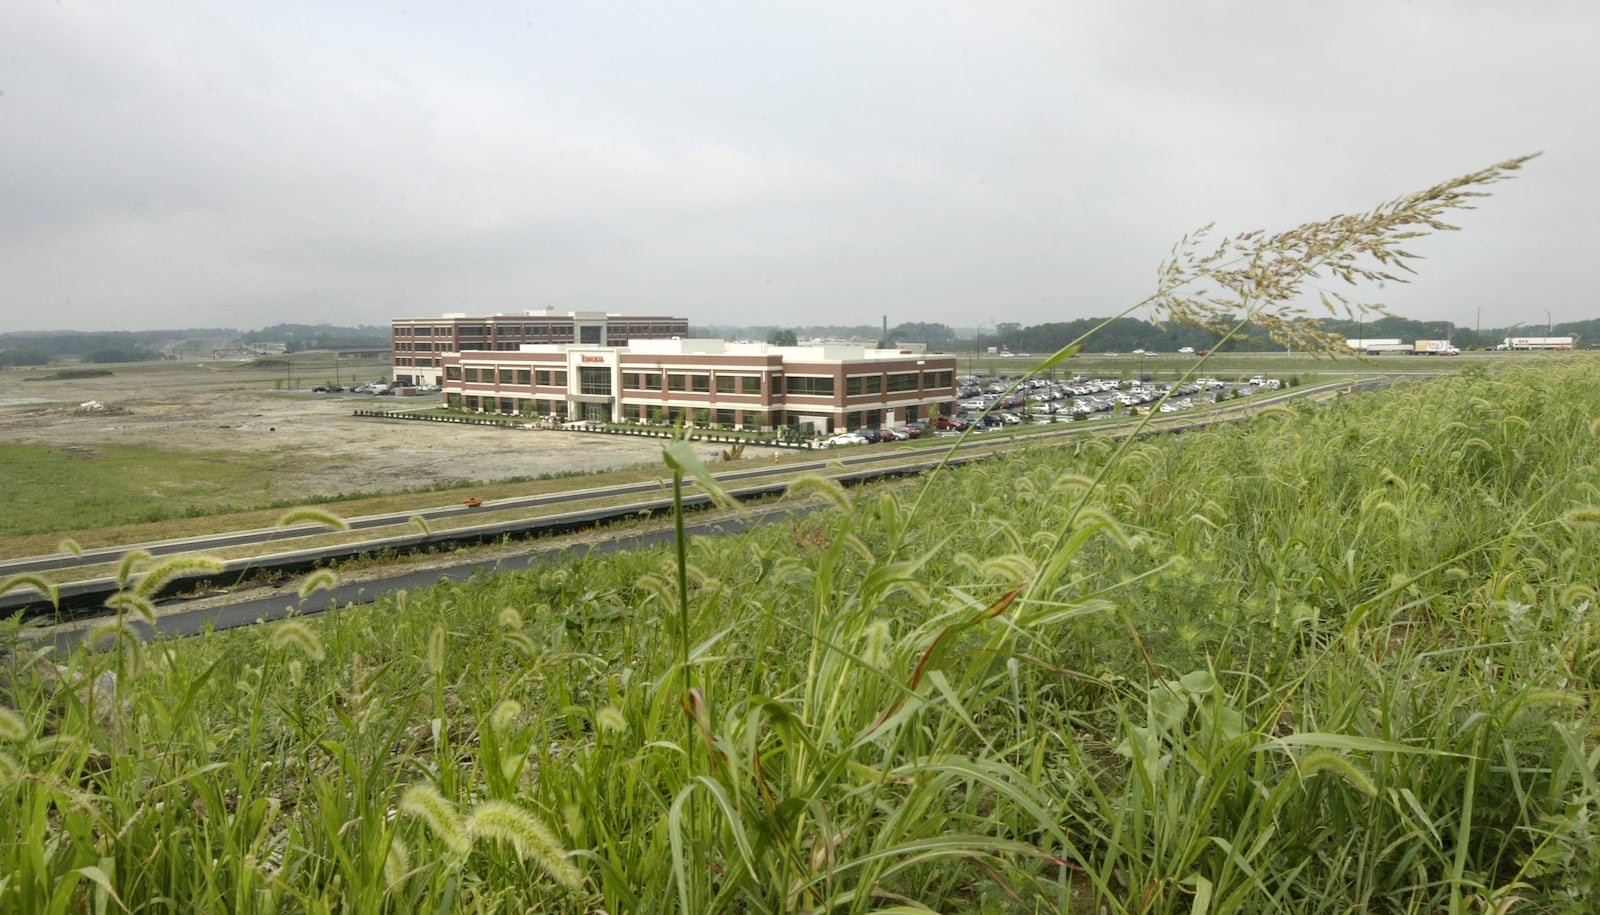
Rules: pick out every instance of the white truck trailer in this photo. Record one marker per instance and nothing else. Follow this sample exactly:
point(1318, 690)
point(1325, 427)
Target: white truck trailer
point(1534, 343)
point(1435, 348)
point(1378, 347)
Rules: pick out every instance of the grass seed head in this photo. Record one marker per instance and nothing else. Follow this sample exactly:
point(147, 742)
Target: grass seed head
point(297, 635)
point(12, 727)
point(1582, 516)
point(177, 567)
point(9, 770)
point(813, 485)
point(532, 839)
point(424, 802)
point(504, 714)
point(314, 516)
point(609, 718)
point(510, 618)
point(436, 650)
point(321, 579)
point(397, 863)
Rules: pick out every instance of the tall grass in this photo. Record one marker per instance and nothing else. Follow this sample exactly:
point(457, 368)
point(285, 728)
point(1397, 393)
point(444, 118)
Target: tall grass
point(1339, 659)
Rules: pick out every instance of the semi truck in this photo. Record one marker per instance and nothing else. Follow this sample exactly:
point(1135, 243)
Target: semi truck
point(1378, 347)
point(1531, 343)
point(1435, 348)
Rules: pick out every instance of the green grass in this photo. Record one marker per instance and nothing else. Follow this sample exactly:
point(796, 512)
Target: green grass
point(1325, 661)
point(105, 485)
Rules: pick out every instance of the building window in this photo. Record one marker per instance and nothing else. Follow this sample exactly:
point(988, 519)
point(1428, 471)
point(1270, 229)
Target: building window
point(700, 384)
point(508, 376)
point(726, 384)
point(852, 386)
point(677, 382)
point(559, 378)
point(810, 385)
point(900, 382)
point(630, 381)
point(872, 384)
point(750, 385)
point(594, 379)
point(590, 334)
point(452, 373)
point(507, 405)
point(724, 417)
point(524, 377)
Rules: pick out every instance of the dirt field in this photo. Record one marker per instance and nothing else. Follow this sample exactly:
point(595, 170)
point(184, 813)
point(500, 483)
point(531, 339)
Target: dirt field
point(230, 407)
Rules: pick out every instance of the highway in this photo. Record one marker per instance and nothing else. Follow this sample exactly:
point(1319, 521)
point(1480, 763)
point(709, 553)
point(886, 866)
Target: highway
point(86, 597)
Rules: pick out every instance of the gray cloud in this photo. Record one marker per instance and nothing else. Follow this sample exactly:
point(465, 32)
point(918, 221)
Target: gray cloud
point(172, 164)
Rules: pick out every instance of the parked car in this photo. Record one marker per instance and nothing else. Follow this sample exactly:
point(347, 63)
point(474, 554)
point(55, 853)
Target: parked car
point(843, 438)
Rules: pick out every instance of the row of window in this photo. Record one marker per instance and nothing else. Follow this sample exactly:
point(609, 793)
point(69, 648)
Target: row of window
point(597, 380)
point(544, 378)
point(539, 330)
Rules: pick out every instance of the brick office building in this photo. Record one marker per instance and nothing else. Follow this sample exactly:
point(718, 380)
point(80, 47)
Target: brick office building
point(420, 343)
point(754, 385)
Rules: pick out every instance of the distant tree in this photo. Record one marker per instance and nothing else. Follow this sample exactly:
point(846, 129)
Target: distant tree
point(888, 343)
point(24, 357)
point(782, 338)
point(121, 354)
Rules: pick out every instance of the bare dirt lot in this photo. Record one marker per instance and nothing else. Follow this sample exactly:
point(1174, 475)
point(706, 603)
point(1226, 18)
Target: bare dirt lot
point(310, 443)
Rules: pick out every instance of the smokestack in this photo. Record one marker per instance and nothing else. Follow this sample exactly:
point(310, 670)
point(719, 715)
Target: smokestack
point(886, 325)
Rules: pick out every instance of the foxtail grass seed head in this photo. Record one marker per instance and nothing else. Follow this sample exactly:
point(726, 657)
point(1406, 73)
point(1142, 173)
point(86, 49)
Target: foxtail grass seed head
point(68, 545)
point(1329, 761)
point(127, 563)
point(320, 580)
point(532, 839)
point(610, 719)
point(1594, 428)
point(9, 770)
point(877, 637)
point(510, 618)
point(178, 567)
point(29, 581)
point(504, 714)
point(424, 802)
point(436, 650)
point(814, 486)
point(297, 635)
point(12, 727)
point(397, 863)
point(314, 516)
point(521, 640)
point(297, 672)
point(1583, 516)
point(129, 602)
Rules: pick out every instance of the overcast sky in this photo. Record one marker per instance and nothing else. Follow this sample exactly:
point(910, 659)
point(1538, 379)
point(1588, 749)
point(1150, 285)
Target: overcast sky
point(175, 163)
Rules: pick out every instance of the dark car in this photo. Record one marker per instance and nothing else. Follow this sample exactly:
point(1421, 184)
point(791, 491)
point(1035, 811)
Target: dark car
point(873, 436)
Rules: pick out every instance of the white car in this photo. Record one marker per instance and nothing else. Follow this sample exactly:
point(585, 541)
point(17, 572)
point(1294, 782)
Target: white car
point(844, 438)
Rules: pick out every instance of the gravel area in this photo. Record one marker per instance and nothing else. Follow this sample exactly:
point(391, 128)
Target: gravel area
point(197, 406)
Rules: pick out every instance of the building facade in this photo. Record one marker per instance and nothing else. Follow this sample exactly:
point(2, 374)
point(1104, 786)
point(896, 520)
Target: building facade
point(747, 385)
point(420, 343)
